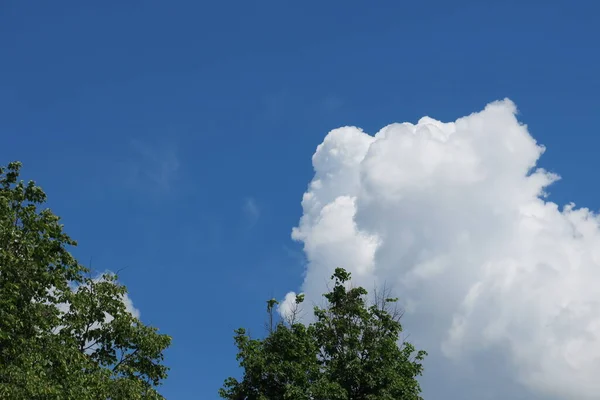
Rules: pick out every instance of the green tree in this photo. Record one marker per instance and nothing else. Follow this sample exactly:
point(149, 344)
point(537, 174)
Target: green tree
point(350, 352)
point(64, 334)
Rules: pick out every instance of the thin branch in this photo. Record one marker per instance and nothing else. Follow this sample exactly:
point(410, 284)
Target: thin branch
point(124, 359)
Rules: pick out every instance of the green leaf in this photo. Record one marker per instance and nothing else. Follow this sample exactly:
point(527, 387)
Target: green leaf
point(64, 335)
point(350, 351)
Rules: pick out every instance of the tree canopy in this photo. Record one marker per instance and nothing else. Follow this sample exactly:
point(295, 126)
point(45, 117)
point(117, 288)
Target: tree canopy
point(350, 352)
point(64, 334)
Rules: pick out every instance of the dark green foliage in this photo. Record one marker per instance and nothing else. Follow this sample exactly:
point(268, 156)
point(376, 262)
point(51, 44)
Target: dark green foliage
point(350, 352)
point(64, 335)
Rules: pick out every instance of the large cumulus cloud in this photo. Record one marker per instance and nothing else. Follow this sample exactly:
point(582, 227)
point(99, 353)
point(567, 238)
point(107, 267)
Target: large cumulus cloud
point(496, 280)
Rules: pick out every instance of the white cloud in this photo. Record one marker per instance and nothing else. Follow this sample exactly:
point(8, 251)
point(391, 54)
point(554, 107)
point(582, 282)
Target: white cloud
point(286, 307)
point(129, 307)
point(453, 216)
point(65, 308)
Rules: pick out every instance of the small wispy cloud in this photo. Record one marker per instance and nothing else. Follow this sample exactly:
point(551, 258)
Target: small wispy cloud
point(251, 212)
point(275, 105)
point(331, 103)
point(154, 165)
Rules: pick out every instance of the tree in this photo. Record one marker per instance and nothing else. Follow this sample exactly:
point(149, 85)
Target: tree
point(63, 333)
point(350, 352)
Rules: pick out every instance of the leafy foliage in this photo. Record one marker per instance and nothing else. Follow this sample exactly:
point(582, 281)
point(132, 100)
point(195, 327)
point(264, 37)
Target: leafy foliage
point(350, 352)
point(64, 334)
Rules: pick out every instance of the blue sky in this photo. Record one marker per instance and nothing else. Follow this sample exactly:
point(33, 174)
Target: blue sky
point(175, 138)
